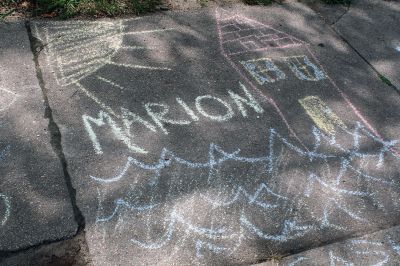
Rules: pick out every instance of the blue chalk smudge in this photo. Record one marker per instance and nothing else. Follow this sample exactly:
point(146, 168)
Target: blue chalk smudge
point(4, 153)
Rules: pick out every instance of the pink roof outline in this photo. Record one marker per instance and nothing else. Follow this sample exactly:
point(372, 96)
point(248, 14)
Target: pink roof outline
point(239, 34)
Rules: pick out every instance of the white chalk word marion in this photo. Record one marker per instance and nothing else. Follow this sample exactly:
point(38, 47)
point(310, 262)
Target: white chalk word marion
point(238, 103)
point(80, 49)
point(215, 194)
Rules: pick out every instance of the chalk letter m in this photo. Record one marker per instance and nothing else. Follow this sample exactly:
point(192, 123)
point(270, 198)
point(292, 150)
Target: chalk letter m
point(103, 119)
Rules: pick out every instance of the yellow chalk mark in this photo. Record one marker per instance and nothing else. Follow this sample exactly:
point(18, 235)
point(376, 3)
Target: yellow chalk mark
point(321, 114)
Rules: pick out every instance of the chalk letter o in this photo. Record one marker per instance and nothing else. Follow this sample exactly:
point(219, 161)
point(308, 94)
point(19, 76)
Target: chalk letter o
point(229, 112)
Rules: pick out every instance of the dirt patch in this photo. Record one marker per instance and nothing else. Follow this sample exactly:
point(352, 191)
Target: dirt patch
point(197, 4)
point(64, 253)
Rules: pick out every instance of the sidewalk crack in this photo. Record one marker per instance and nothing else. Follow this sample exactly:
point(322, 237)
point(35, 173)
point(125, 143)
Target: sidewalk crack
point(55, 134)
point(345, 238)
point(348, 5)
point(380, 75)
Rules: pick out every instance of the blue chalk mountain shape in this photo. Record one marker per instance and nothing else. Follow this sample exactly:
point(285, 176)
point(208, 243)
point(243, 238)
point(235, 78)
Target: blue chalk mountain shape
point(4, 152)
point(248, 194)
point(372, 251)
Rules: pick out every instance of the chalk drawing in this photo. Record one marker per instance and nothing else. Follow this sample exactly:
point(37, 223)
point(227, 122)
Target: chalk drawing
point(348, 155)
point(211, 247)
point(304, 69)
point(296, 261)
point(105, 119)
point(313, 178)
point(241, 192)
point(93, 97)
point(112, 83)
point(176, 218)
point(395, 246)
point(7, 204)
point(7, 98)
point(129, 118)
point(187, 109)
point(238, 34)
point(373, 250)
point(241, 101)
point(159, 114)
point(290, 230)
point(335, 204)
point(358, 252)
point(4, 152)
point(336, 259)
point(78, 49)
point(5, 200)
point(229, 112)
point(355, 252)
point(321, 114)
point(263, 70)
point(261, 198)
point(241, 35)
point(119, 203)
point(158, 111)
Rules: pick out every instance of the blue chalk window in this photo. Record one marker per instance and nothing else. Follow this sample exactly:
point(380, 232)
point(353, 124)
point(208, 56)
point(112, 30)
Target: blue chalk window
point(263, 70)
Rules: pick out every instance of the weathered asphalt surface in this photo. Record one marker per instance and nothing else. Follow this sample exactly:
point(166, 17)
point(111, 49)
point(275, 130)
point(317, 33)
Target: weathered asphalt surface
point(227, 136)
point(35, 205)
point(379, 248)
point(378, 42)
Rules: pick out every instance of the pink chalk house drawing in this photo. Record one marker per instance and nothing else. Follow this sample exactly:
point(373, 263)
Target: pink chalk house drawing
point(255, 51)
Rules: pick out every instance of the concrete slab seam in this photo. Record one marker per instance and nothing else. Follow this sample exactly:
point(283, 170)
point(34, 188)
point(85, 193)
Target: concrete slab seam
point(348, 6)
point(338, 240)
point(57, 148)
point(380, 76)
point(54, 129)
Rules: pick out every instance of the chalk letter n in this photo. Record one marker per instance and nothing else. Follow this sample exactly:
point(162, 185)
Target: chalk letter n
point(250, 101)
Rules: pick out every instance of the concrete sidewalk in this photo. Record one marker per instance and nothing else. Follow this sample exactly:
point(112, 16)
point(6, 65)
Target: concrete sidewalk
point(370, 27)
point(380, 248)
point(221, 136)
point(35, 205)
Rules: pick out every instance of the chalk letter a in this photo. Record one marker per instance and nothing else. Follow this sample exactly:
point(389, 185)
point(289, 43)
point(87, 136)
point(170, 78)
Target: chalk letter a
point(129, 118)
point(159, 118)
